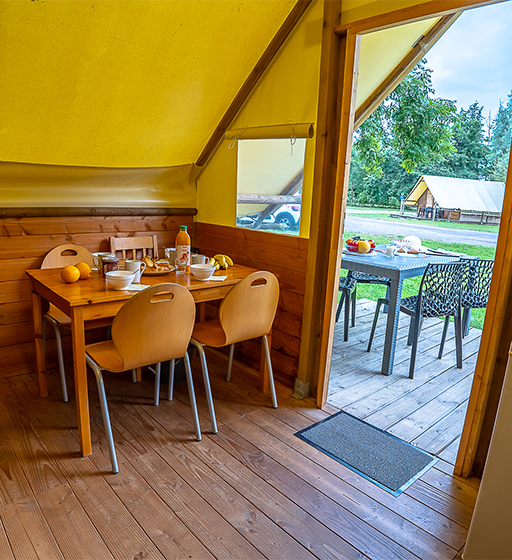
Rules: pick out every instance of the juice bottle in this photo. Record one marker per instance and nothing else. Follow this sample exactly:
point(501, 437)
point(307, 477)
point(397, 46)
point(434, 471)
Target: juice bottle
point(182, 250)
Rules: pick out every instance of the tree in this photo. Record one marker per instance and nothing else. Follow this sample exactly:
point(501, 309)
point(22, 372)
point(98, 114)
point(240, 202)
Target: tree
point(501, 137)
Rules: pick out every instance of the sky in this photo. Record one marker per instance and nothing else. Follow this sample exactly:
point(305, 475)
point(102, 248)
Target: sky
point(473, 60)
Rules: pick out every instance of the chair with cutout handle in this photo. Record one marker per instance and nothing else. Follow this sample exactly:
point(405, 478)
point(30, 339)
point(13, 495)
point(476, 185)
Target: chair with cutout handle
point(59, 257)
point(247, 312)
point(155, 325)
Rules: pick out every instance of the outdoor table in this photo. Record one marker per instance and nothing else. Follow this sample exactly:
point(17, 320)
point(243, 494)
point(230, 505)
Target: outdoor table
point(92, 299)
point(396, 268)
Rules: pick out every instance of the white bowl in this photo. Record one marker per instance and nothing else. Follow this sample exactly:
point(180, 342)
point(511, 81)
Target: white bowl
point(202, 271)
point(119, 279)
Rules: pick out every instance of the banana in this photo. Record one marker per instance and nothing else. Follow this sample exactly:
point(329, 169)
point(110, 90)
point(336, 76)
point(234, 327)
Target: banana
point(212, 262)
point(224, 260)
point(217, 265)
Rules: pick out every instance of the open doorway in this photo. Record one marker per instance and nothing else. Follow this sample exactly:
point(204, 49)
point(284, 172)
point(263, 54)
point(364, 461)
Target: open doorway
point(384, 393)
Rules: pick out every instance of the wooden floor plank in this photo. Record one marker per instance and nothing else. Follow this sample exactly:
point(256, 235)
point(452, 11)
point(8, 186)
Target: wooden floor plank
point(28, 532)
point(250, 491)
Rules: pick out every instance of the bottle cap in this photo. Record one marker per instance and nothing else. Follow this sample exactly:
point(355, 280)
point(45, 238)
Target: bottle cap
point(183, 228)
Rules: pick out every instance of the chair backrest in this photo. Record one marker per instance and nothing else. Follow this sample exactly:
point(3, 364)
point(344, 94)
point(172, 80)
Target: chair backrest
point(440, 289)
point(63, 255)
point(249, 309)
point(477, 283)
point(130, 245)
point(154, 325)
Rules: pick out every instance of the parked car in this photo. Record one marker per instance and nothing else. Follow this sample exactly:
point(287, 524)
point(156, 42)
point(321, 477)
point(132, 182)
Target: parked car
point(285, 218)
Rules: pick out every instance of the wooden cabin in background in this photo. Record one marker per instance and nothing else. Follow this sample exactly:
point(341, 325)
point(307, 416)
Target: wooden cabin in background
point(122, 118)
point(457, 200)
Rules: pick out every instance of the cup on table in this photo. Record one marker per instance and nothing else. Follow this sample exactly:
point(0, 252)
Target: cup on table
point(135, 266)
point(170, 255)
point(198, 259)
point(109, 264)
point(97, 260)
point(390, 251)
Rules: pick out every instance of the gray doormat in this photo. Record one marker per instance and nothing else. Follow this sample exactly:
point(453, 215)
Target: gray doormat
point(382, 458)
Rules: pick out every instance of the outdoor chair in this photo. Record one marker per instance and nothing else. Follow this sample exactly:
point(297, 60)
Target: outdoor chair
point(347, 287)
point(247, 312)
point(64, 255)
point(475, 291)
point(153, 326)
point(439, 296)
point(349, 291)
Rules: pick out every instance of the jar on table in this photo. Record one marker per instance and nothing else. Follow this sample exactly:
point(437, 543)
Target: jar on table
point(110, 262)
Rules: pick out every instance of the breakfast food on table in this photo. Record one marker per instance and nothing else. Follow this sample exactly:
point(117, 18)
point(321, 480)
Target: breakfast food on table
point(358, 245)
point(221, 262)
point(153, 265)
point(85, 270)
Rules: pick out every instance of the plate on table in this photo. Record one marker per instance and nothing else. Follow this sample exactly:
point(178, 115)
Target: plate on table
point(149, 272)
point(372, 254)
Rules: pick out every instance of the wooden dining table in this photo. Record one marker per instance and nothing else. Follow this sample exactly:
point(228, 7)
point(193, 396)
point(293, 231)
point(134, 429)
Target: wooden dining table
point(87, 300)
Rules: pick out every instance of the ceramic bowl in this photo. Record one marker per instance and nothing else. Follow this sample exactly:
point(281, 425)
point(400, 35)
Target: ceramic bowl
point(119, 279)
point(202, 271)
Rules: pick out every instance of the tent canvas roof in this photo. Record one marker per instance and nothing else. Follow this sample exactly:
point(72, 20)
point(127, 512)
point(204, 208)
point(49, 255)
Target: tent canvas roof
point(461, 194)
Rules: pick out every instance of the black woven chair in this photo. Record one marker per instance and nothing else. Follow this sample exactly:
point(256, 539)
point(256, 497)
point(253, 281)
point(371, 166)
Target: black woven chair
point(439, 296)
point(475, 291)
point(348, 289)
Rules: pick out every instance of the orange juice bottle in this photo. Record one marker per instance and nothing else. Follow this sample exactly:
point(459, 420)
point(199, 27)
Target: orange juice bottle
point(183, 250)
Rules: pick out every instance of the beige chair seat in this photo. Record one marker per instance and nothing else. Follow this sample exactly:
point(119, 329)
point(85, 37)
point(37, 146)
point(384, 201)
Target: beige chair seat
point(210, 333)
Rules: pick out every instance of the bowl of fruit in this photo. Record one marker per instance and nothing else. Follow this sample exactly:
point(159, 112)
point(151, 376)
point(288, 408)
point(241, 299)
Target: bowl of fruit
point(361, 246)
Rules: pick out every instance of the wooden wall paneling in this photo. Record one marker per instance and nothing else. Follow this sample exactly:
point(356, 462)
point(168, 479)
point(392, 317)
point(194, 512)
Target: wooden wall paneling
point(23, 244)
point(286, 257)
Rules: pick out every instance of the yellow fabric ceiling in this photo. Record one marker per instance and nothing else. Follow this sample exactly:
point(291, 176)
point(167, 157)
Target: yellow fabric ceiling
point(138, 83)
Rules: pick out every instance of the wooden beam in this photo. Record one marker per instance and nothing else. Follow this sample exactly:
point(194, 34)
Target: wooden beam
point(36, 212)
point(492, 358)
point(267, 199)
point(291, 188)
point(410, 14)
point(418, 51)
point(251, 81)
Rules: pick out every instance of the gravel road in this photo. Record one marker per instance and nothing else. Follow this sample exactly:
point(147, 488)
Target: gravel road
point(368, 226)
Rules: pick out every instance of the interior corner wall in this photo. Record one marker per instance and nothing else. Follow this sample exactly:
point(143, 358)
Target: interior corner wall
point(288, 92)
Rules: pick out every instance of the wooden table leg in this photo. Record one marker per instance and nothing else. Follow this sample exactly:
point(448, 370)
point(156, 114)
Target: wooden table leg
point(81, 393)
point(38, 331)
point(264, 379)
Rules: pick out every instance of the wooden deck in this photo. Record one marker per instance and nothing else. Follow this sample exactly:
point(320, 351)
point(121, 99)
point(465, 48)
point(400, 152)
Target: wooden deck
point(427, 411)
point(253, 490)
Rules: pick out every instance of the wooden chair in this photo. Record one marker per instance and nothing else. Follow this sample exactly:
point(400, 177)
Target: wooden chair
point(153, 326)
point(134, 244)
point(247, 312)
point(59, 257)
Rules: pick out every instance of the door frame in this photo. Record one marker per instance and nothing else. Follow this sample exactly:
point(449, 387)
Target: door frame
point(335, 124)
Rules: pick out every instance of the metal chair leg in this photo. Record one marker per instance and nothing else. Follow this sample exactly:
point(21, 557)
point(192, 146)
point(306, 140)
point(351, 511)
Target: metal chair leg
point(347, 318)
point(458, 340)
point(192, 395)
point(104, 413)
point(380, 302)
point(443, 337)
point(415, 323)
point(340, 305)
point(230, 361)
point(270, 373)
point(353, 298)
point(158, 368)
point(206, 379)
point(60, 356)
point(170, 387)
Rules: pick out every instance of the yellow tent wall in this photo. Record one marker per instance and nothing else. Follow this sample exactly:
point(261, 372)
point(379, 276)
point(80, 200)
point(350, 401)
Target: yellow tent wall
point(288, 92)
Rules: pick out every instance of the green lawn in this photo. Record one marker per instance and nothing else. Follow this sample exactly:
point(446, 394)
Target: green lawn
point(411, 285)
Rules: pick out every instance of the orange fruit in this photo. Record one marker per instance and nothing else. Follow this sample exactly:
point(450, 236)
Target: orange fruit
point(85, 270)
point(70, 274)
point(363, 247)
